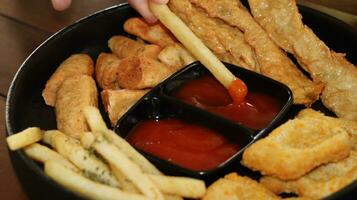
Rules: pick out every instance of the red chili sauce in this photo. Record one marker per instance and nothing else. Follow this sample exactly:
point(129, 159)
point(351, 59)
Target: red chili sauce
point(256, 112)
point(188, 145)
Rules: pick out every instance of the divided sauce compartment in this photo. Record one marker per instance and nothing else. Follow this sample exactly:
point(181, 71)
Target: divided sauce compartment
point(258, 85)
point(160, 105)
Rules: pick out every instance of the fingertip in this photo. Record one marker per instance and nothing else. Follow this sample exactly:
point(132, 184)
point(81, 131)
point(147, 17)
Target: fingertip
point(61, 5)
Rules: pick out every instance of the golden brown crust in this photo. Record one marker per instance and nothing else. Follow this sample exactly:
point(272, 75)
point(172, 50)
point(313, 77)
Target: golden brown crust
point(153, 33)
point(140, 72)
point(297, 147)
point(176, 56)
point(233, 186)
point(74, 65)
point(106, 71)
point(282, 20)
point(273, 62)
point(74, 94)
point(118, 102)
point(320, 182)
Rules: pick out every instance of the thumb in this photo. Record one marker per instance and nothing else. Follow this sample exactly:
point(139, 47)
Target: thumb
point(160, 1)
point(61, 5)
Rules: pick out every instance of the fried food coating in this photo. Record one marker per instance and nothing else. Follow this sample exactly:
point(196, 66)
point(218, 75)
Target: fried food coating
point(272, 60)
point(74, 65)
point(152, 33)
point(124, 47)
point(226, 42)
point(233, 186)
point(118, 102)
point(282, 21)
point(320, 182)
point(176, 56)
point(297, 147)
point(75, 93)
point(106, 71)
point(140, 72)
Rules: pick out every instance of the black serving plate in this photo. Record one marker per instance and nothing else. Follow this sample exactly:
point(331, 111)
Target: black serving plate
point(25, 106)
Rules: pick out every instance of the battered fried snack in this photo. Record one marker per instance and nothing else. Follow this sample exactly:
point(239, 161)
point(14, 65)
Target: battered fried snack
point(282, 20)
point(117, 102)
point(349, 126)
point(106, 71)
point(233, 186)
point(75, 93)
point(140, 72)
point(155, 34)
point(297, 147)
point(176, 56)
point(124, 47)
point(273, 62)
point(320, 182)
point(74, 65)
point(226, 42)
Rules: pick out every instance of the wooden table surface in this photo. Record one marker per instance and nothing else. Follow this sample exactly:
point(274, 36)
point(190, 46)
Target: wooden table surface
point(25, 24)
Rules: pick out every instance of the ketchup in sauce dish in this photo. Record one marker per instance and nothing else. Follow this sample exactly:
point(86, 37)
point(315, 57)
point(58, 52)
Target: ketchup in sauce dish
point(188, 145)
point(256, 111)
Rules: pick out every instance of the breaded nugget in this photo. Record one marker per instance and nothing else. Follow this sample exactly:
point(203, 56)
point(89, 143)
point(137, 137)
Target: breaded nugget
point(320, 182)
point(124, 47)
point(153, 33)
point(297, 147)
point(140, 72)
point(282, 20)
point(74, 65)
point(349, 126)
point(117, 102)
point(75, 93)
point(233, 186)
point(106, 71)
point(272, 60)
point(176, 56)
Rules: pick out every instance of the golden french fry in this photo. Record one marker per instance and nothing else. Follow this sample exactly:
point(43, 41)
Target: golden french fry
point(192, 43)
point(24, 138)
point(43, 154)
point(84, 186)
point(129, 169)
point(87, 162)
point(182, 186)
point(97, 124)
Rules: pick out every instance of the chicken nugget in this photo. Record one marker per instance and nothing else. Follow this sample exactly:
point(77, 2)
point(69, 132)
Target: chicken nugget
point(75, 93)
point(140, 72)
point(117, 102)
point(233, 186)
point(176, 56)
point(297, 147)
point(320, 182)
point(74, 65)
point(153, 33)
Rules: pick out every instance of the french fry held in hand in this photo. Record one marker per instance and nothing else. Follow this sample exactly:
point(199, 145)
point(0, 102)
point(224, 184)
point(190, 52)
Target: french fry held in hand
point(236, 87)
point(84, 186)
point(87, 162)
point(24, 138)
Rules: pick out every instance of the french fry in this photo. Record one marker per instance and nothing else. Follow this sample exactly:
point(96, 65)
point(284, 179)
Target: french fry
point(87, 162)
point(84, 186)
point(44, 154)
point(182, 186)
point(130, 170)
point(97, 124)
point(126, 184)
point(24, 138)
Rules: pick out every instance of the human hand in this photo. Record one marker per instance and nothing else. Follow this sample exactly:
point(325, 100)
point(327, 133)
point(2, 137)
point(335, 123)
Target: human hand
point(142, 6)
point(61, 5)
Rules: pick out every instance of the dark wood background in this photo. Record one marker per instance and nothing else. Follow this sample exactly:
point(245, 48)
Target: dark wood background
point(24, 24)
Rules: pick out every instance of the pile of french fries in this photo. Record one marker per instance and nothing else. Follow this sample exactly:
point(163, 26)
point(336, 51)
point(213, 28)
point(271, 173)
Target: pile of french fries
point(101, 165)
